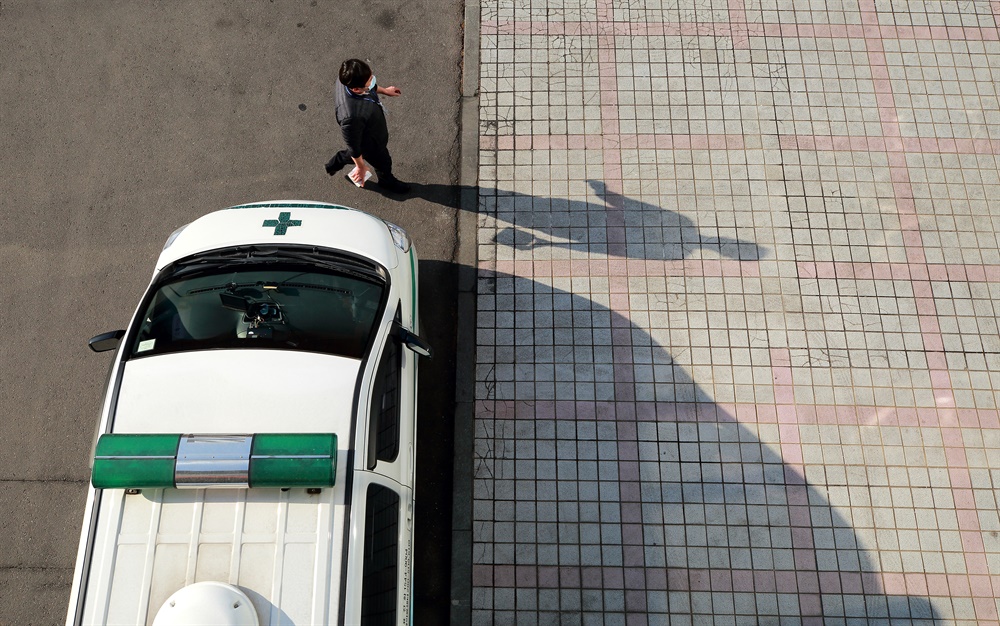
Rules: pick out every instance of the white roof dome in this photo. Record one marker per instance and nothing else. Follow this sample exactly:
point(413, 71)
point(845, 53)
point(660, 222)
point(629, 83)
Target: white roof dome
point(207, 603)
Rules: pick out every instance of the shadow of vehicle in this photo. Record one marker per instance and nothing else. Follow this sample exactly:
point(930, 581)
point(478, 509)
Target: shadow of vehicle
point(590, 503)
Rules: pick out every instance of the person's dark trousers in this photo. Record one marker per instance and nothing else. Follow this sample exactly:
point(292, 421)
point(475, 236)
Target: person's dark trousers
point(379, 159)
point(338, 162)
point(382, 162)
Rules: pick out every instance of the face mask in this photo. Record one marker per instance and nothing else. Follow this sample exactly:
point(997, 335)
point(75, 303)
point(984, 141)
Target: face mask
point(372, 87)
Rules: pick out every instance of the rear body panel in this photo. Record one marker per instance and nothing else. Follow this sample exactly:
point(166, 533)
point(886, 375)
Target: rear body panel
point(277, 546)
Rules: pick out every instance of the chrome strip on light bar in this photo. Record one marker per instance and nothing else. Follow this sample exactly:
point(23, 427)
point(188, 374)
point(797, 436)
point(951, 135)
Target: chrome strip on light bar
point(219, 460)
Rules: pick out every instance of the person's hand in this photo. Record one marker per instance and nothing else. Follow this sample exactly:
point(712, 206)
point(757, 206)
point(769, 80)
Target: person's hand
point(392, 91)
point(358, 174)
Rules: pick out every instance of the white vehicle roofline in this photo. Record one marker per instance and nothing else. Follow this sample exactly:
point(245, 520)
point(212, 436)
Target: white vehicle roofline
point(352, 231)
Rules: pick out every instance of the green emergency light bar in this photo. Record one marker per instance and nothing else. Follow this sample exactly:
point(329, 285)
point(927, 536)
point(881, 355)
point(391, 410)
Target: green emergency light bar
point(136, 461)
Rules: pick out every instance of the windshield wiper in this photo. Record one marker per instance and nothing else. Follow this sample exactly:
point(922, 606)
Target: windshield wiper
point(269, 286)
point(252, 255)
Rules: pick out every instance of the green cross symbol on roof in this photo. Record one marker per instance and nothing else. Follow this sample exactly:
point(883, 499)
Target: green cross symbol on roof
point(282, 223)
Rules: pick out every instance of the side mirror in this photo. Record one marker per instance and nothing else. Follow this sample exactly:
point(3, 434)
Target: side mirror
point(106, 341)
point(413, 342)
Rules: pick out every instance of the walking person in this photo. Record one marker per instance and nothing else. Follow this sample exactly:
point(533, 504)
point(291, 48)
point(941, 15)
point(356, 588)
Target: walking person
point(361, 117)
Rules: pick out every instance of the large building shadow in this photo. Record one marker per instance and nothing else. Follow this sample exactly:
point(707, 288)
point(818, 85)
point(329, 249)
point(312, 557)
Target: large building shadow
point(588, 502)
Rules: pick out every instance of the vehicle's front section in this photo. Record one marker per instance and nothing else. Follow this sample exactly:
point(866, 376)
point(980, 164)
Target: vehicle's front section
point(257, 434)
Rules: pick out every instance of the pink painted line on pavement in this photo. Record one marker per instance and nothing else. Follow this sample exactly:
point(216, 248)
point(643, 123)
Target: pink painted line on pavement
point(694, 579)
point(861, 143)
point(885, 31)
point(796, 489)
point(902, 186)
point(738, 32)
point(935, 272)
point(632, 576)
point(845, 415)
point(738, 29)
point(608, 74)
point(819, 143)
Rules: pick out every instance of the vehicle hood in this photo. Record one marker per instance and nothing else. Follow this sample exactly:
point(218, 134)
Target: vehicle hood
point(241, 391)
point(284, 223)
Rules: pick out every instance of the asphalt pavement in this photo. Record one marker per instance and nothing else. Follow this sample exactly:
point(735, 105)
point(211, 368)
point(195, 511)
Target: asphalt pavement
point(123, 122)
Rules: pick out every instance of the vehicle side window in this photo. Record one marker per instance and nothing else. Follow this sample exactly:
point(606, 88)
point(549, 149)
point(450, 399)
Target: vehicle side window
point(380, 580)
point(384, 443)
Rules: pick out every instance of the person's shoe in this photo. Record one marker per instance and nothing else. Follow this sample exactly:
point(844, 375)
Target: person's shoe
point(393, 184)
point(334, 165)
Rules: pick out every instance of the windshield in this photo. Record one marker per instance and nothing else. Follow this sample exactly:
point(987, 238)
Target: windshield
point(261, 307)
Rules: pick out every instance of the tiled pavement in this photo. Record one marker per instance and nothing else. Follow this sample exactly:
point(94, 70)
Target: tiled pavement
point(738, 348)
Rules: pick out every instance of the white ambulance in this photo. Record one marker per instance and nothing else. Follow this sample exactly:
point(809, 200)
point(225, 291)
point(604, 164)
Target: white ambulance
point(254, 461)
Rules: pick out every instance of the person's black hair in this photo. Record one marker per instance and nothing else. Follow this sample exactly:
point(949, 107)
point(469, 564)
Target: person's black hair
point(355, 73)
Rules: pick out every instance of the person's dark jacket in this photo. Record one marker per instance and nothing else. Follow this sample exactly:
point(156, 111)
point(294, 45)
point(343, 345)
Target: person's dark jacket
point(362, 121)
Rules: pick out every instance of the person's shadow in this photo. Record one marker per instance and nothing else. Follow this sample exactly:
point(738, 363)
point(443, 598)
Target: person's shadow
point(611, 224)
